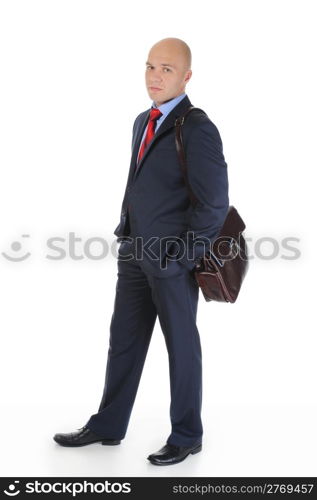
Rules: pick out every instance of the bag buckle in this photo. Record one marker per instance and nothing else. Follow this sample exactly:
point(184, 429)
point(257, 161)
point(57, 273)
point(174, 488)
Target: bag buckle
point(179, 121)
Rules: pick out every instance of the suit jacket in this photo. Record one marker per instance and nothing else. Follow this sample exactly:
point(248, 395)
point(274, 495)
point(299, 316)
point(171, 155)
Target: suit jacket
point(156, 205)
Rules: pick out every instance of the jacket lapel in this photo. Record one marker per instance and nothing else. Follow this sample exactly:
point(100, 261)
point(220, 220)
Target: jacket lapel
point(136, 142)
point(168, 123)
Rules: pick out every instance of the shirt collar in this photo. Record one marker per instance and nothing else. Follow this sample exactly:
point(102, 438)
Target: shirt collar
point(166, 107)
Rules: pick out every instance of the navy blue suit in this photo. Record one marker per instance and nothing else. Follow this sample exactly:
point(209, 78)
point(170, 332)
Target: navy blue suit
point(155, 277)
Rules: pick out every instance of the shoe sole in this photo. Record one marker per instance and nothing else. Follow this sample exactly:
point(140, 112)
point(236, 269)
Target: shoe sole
point(112, 443)
point(104, 442)
point(193, 452)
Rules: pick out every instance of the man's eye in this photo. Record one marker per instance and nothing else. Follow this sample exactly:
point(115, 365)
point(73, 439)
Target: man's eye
point(151, 67)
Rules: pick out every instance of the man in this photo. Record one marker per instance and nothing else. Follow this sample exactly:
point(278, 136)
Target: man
point(155, 274)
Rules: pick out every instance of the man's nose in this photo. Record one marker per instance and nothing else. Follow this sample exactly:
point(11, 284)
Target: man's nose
point(155, 77)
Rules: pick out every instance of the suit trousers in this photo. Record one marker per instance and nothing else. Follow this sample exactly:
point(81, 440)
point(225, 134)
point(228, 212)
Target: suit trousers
point(139, 299)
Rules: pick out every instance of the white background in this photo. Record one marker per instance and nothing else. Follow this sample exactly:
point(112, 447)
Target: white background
point(72, 77)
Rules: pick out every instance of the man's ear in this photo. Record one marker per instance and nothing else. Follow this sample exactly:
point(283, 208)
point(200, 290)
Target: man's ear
point(188, 75)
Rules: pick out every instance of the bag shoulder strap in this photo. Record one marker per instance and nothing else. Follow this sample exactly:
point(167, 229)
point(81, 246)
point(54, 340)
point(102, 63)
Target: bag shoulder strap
point(181, 151)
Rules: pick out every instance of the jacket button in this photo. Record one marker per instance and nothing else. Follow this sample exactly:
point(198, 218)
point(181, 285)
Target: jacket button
point(123, 213)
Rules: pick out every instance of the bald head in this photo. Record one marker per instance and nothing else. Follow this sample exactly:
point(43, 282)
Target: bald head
point(168, 69)
point(177, 48)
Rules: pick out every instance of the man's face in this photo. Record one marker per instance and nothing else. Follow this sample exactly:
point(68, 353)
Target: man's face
point(166, 74)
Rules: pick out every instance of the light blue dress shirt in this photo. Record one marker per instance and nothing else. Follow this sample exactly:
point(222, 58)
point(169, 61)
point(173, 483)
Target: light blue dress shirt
point(165, 109)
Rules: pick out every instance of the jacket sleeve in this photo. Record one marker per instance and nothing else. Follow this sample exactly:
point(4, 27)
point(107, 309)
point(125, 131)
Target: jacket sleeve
point(124, 219)
point(208, 179)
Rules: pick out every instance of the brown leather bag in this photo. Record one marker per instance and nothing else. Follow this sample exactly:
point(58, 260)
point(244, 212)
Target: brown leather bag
point(222, 269)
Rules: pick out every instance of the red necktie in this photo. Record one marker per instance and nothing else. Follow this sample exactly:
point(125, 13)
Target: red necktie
point(154, 116)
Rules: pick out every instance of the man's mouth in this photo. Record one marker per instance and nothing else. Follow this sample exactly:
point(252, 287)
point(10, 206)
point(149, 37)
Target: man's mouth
point(155, 89)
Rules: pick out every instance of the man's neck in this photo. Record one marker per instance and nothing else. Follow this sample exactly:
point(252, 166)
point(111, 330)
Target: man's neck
point(168, 100)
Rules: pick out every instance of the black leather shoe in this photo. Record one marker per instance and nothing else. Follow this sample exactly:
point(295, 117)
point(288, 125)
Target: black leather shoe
point(171, 454)
point(82, 438)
